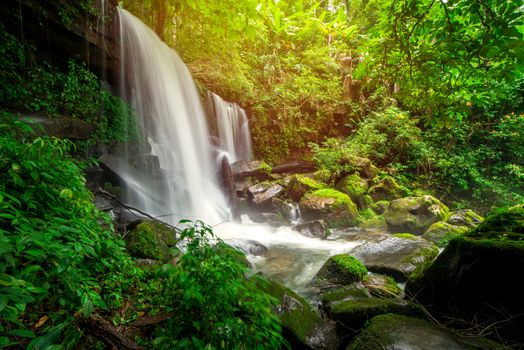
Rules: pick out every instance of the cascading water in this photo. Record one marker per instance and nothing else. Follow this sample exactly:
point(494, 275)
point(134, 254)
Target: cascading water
point(158, 85)
point(172, 175)
point(233, 129)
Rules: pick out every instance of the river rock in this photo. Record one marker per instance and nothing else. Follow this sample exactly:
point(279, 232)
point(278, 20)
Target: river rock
point(395, 256)
point(474, 280)
point(333, 206)
point(261, 195)
point(302, 327)
point(341, 269)
point(243, 169)
point(354, 186)
point(442, 232)
point(299, 185)
point(382, 286)
point(352, 306)
point(465, 217)
point(415, 214)
point(391, 331)
point(386, 189)
point(316, 228)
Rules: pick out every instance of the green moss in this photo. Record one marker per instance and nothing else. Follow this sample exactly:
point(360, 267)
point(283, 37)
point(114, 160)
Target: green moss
point(340, 198)
point(151, 240)
point(382, 286)
point(406, 236)
point(355, 290)
point(368, 218)
point(310, 183)
point(266, 168)
point(351, 264)
point(442, 232)
point(504, 225)
point(353, 186)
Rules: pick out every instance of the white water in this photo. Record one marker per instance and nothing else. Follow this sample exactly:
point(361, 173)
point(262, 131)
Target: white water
point(158, 85)
point(233, 129)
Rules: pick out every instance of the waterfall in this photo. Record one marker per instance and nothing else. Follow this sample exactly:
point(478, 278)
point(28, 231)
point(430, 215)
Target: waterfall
point(233, 128)
point(171, 174)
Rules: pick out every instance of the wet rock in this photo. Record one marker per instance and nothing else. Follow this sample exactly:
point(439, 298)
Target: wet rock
point(465, 217)
point(392, 331)
point(317, 228)
point(382, 286)
point(299, 185)
point(442, 232)
point(341, 269)
point(351, 307)
point(249, 247)
point(333, 206)
point(354, 186)
point(473, 281)
point(415, 214)
point(386, 189)
point(261, 195)
point(397, 257)
point(303, 328)
point(255, 168)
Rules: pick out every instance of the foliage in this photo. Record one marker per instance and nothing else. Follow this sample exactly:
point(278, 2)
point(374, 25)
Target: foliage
point(215, 305)
point(59, 258)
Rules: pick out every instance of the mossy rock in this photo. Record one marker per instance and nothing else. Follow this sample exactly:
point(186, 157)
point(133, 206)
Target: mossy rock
point(331, 205)
point(227, 251)
point(244, 169)
point(442, 232)
point(362, 166)
point(380, 207)
point(342, 269)
point(151, 240)
point(382, 286)
point(473, 281)
point(387, 189)
point(391, 331)
point(367, 218)
point(464, 217)
point(299, 185)
point(415, 214)
point(303, 328)
point(352, 185)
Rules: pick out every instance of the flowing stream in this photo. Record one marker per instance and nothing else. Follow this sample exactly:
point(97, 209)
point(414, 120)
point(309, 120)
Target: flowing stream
point(172, 174)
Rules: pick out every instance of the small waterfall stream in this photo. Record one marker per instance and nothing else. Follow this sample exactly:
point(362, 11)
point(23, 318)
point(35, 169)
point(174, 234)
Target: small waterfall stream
point(233, 128)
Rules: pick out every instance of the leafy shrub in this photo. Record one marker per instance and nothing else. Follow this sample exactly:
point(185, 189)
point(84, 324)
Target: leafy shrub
point(215, 305)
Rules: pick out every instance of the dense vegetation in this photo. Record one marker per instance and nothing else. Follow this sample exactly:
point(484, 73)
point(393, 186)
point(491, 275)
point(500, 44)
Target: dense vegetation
point(430, 89)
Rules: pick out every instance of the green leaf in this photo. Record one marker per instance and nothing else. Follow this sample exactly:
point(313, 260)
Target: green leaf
point(87, 305)
point(45, 341)
point(25, 333)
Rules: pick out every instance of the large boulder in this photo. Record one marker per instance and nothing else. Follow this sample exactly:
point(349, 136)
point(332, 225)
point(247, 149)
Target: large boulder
point(302, 327)
point(386, 189)
point(391, 331)
point(474, 281)
point(442, 232)
point(382, 286)
point(354, 186)
point(342, 269)
point(415, 214)
point(299, 185)
point(243, 169)
point(397, 257)
point(333, 206)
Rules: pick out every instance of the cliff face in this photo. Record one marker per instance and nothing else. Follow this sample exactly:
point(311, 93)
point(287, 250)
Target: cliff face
point(61, 29)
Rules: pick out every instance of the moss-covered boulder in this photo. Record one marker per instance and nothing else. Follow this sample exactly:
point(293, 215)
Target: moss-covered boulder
point(391, 331)
point(354, 186)
point(299, 185)
point(303, 328)
point(362, 166)
point(382, 286)
point(243, 169)
point(331, 205)
point(415, 214)
point(473, 281)
point(396, 256)
point(380, 207)
point(442, 232)
point(341, 269)
point(151, 240)
point(351, 307)
point(387, 189)
point(464, 217)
